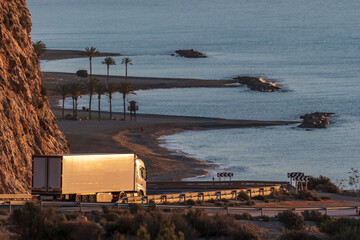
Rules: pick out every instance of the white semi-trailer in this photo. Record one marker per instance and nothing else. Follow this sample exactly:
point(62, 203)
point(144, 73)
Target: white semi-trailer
point(88, 177)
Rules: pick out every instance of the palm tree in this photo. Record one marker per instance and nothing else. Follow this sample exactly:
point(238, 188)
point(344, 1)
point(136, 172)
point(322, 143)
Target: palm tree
point(90, 86)
point(126, 61)
point(110, 89)
point(91, 53)
point(100, 90)
point(64, 90)
point(108, 61)
point(39, 48)
point(125, 88)
point(76, 90)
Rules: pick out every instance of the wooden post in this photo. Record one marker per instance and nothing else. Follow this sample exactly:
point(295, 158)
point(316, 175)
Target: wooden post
point(291, 181)
point(296, 187)
point(306, 185)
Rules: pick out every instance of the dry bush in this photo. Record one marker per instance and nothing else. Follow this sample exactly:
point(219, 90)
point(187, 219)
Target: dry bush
point(291, 220)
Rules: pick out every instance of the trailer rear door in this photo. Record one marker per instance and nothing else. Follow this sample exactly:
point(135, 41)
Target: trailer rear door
point(47, 172)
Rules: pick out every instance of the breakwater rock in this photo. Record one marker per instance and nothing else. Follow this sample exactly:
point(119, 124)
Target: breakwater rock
point(190, 53)
point(259, 84)
point(315, 120)
point(27, 125)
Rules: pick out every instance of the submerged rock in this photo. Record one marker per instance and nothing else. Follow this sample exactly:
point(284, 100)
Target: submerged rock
point(190, 53)
point(315, 120)
point(259, 84)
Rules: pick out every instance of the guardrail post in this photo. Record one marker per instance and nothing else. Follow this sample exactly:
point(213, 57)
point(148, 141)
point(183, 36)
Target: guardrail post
point(357, 210)
point(326, 211)
point(262, 211)
point(80, 207)
point(118, 206)
point(227, 210)
point(294, 210)
point(41, 205)
point(9, 207)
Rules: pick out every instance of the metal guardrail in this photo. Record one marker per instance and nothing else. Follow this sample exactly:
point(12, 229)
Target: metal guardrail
point(202, 196)
point(261, 210)
point(16, 196)
point(211, 184)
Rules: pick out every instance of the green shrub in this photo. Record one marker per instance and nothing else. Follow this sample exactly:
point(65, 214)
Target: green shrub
point(190, 202)
point(167, 232)
point(79, 230)
point(3, 212)
point(244, 216)
point(315, 216)
point(265, 218)
point(323, 184)
point(250, 203)
point(134, 208)
point(82, 73)
point(291, 220)
point(261, 198)
point(142, 234)
point(243, 196)
point(297, 235)
point(342, 228)
point(308, 196)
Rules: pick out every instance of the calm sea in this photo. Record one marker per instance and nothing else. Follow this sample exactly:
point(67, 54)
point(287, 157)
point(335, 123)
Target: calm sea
point(310, 47)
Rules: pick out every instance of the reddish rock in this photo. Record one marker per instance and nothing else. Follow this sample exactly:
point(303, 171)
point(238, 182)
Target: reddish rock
point(27, 125)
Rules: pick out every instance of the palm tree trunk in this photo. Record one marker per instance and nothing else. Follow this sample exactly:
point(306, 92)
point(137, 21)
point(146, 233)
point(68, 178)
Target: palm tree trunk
point(76, 99)
point(126, 71)
point(99, 106)
point(73, 98)
point(90, 68)
point(90, 106)
point(107, 79)
point(124, 105)
point(63, 104)
point(110, 97)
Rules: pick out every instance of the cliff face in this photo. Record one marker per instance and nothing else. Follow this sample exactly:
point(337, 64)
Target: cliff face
point(27, 125)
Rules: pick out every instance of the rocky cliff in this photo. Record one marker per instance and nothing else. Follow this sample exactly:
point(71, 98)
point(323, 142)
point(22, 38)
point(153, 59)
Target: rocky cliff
point(27, 125)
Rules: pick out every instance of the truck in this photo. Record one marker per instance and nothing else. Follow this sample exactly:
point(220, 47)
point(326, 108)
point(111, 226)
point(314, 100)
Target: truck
point(88, 177)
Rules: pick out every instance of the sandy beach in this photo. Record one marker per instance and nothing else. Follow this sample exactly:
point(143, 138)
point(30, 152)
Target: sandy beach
point(141, 136)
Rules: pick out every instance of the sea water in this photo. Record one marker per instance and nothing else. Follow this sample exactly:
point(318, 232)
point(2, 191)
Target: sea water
point(312, 48)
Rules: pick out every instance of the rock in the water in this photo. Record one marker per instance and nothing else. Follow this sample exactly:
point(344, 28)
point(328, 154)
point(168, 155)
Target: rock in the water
point(315, 120)
point(27, 125)
point(190, 53)
point(259, 84)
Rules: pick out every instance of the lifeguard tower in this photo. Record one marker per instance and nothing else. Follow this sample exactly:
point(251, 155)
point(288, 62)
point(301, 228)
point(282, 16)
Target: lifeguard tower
point(133, 108)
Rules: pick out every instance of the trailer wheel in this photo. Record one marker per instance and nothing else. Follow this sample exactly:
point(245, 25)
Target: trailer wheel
point(92, 198)
point(85, 198)
point(78, 198)
point(141, 193)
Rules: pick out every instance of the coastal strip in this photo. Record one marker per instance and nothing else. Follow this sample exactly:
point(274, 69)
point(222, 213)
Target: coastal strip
point(54, 54)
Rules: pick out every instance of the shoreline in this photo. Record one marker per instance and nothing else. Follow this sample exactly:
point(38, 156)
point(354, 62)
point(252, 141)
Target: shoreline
point(142, 137)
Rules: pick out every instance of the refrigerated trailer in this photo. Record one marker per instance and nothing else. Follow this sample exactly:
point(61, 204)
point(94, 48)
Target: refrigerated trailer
point(88, 177)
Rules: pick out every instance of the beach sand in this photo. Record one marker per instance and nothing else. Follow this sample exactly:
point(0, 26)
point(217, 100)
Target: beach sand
point(141, 136)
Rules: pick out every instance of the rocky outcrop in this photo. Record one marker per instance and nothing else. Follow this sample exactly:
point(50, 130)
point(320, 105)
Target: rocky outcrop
point(259, 84)
point(27, 125)
point(315, 120)
point(190, 53)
